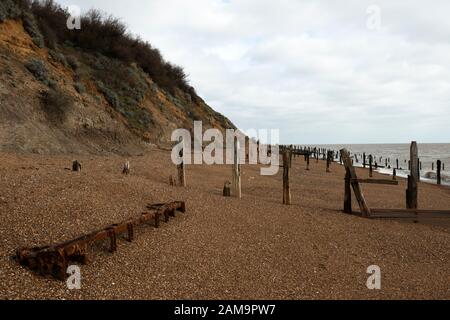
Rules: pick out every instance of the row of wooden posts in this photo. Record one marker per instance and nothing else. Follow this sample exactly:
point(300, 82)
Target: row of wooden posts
point(368, 161)
point(233, 188)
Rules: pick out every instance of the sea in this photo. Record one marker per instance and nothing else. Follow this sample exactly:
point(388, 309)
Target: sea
point(429, 153)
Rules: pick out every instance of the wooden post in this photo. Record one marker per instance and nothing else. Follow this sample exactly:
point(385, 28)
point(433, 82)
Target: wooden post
point(126, 168)
point(181, 171)
point(419, 168)
point(364, 160)
point(76, 166)
point(348, 193)
point(365, 210)
point(411, 192)
point(227, 189)
point(394, 174)
point(286, 167)
point(307, 162)
point(438, 172)
point(370, 166)
point(397, 164)
point(236, 174)
point(328, 161)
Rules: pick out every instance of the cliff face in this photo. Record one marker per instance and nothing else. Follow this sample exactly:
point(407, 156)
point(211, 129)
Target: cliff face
point(74, 101)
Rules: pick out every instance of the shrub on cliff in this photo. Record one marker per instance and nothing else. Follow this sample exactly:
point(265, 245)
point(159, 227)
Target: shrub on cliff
point(107, 35)
point(38, 69)
point(56, 104)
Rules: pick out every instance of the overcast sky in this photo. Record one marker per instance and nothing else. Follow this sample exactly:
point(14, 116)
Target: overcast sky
point(351, 71)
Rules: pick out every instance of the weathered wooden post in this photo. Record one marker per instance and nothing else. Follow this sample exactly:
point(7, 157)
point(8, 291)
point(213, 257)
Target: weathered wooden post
point(236, 174)
point(370, 166)
point(126, 168)
point(419, 168)
point(432, 166)
point(365, 210)
point(438, 172)
point(347, 193)
point(286, 167)
point(364, 160)
point(411, 192)
point(394, 174)
point(181, 171)
point(328, 161)
point(76, 166)
point(397, 164)
point(227, 189)
point(307, 162)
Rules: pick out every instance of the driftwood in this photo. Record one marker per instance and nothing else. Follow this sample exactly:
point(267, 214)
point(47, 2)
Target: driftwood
point(54, 259)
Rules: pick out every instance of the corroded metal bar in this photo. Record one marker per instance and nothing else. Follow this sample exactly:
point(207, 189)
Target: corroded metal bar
point(53, 260)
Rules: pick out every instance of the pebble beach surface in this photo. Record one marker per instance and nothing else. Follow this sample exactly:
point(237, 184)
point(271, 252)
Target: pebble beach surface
point(221, 248)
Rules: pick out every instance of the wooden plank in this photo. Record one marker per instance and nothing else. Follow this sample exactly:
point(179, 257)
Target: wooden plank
point(442, 213)
point(376, 181)
point(365, 210)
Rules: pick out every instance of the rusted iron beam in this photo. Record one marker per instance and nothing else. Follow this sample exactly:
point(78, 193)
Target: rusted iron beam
point(53, 260)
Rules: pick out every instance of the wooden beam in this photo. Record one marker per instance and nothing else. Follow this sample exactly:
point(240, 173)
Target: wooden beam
point(443, 213)
point(365, 210)
point(416, 214)
point(376, 181)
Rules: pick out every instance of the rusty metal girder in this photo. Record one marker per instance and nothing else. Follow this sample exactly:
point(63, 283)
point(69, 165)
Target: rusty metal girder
point(53, 260)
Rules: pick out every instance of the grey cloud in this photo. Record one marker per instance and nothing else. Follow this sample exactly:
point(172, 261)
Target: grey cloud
point(310, 68)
